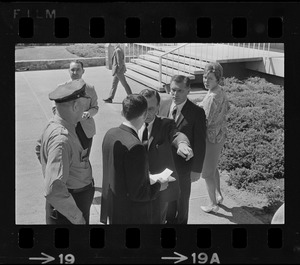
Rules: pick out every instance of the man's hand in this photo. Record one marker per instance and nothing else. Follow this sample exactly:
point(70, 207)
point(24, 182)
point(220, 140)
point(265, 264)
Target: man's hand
point(86, 115)
point(163, 184)
point(185, 151)
point(195, 176)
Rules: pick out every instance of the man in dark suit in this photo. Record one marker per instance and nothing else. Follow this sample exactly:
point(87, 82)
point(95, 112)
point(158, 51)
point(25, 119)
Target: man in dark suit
point(126, 190)
point(190, 120)
point(161, 135)
point(118, 70)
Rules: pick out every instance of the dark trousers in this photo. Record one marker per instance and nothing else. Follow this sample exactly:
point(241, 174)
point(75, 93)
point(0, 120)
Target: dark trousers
point(83, 200)
point(119, 77)
point(178, 211)
point(85, 142)
point(158, 211)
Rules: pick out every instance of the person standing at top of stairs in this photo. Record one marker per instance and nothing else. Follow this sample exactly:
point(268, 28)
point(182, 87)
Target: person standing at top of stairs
point(118, 70)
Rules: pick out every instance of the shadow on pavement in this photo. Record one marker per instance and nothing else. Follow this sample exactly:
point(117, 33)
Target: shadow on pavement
point(260, 214)
point(236, 215)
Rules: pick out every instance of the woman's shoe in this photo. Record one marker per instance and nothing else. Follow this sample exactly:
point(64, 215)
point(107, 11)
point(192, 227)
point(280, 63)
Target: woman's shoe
point(108, 100)
point(209, 209)
point(220, 200)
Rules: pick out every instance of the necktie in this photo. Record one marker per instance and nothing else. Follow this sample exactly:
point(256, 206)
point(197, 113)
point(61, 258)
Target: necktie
point(174, 112)
point(145, 133)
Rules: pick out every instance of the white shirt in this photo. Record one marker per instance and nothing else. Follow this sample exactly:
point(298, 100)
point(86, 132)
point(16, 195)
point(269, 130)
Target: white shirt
point(126, 123)
point(179, 108)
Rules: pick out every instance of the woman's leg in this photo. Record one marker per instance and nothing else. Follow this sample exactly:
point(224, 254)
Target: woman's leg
point(211, 189)
point(219, 195)
point(211, 174)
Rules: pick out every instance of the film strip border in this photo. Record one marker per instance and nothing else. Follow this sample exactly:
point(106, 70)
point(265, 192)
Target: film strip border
point(170, 21)
point(134, 22)
point(168, 27)
point(132, 237)
point(156, 244)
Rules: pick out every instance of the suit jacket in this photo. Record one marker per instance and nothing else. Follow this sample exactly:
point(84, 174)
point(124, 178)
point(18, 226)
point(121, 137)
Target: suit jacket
point(88, 125)
point(126, 189)
point(163, 135)
point(118, 61)
point(191, 122)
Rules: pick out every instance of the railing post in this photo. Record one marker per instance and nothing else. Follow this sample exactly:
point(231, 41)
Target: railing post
point(160, 65)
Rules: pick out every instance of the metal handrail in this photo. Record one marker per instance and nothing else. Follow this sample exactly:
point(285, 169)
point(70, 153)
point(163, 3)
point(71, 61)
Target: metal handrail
point(160, 61)
point(198, 54)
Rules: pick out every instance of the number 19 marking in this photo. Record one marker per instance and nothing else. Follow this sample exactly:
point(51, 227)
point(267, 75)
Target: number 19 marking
point(69, 259)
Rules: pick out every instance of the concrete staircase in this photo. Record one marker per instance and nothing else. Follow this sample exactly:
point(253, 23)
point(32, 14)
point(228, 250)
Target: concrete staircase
point(145, 68)
point(190, 60)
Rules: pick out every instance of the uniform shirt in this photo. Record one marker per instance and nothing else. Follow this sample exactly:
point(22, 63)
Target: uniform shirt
point(88, 125)
point(216, 107)
point(65, 165)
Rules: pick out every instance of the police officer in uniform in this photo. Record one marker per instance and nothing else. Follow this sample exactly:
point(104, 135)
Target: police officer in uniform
point(68, 182)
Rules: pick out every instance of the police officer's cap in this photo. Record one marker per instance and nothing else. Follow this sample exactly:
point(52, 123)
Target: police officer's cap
point(69, 91)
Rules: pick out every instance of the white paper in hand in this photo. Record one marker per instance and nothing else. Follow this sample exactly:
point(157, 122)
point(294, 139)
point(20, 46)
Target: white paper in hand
point(165, 175)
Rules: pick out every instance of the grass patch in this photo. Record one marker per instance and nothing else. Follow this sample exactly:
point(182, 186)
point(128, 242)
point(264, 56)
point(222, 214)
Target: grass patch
point(87, 50)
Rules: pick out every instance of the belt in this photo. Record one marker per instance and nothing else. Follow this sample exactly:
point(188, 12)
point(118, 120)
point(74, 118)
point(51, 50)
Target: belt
point(82, 189)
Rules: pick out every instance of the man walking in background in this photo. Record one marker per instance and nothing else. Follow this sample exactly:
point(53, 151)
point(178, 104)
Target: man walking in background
point(190, 120)
point(118, 70)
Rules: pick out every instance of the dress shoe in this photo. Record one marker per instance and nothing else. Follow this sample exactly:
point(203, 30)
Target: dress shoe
point(108, 100)
point(220, 200)
point(209, 209)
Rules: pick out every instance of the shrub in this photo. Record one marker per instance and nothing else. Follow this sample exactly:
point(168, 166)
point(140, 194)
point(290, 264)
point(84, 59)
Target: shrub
point(242, 177)
point(254, 150)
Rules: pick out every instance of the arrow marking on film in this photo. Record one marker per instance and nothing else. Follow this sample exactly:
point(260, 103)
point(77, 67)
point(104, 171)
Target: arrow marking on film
point(46, 258)
point(178, 259)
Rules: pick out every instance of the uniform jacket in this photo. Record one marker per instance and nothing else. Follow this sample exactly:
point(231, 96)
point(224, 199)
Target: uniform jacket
point(118, 61)
point(126, 189)
point(65, 165)
point(191, 122)
point(163, 143)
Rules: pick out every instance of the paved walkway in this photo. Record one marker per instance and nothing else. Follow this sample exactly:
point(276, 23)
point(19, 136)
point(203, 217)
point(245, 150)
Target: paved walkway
point(33, 109)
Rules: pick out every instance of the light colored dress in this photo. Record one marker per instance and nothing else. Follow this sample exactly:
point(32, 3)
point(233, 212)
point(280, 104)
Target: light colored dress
point(216, 107)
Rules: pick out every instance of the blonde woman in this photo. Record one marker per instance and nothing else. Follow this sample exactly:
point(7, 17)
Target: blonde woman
point(215, 105)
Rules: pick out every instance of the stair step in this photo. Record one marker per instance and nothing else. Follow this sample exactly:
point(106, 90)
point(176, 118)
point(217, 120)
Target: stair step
point(148, 72)
point(188, 59)
point(144, 80)
point(184, 68)
point(165, 70)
